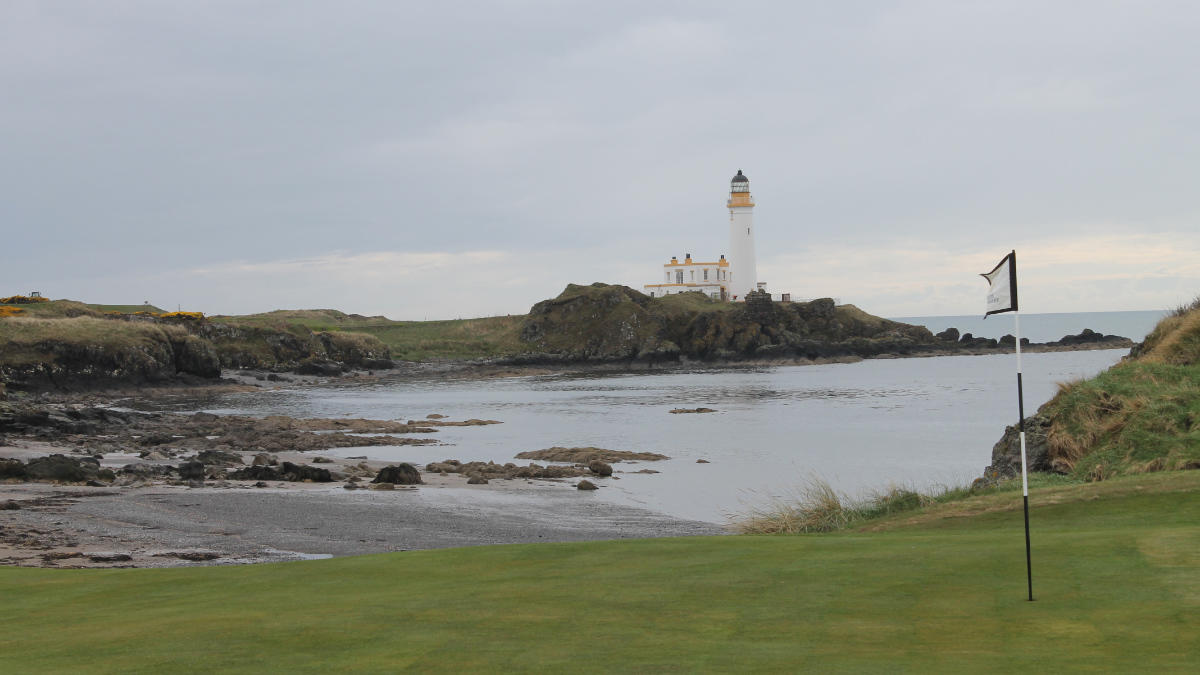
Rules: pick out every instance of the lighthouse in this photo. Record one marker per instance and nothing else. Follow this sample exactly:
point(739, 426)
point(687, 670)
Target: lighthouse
point(743, 267)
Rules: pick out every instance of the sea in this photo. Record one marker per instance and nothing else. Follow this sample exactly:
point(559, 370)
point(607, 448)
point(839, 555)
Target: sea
point(862, 427)
point(1045, 327)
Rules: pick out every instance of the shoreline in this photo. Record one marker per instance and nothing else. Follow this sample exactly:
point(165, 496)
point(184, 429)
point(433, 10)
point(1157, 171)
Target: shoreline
point(152, 520)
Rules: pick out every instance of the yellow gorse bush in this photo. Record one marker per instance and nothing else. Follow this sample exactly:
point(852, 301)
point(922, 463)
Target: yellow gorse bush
point(10, 311)
point(190, 316)
point(21, 300)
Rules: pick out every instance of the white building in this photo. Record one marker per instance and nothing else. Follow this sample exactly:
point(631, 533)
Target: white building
point(728, 279)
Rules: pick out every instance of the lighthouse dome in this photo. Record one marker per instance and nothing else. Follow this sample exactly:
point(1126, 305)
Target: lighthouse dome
point(740, 178)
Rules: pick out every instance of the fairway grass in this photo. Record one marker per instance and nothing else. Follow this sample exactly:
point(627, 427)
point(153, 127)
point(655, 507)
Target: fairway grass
point(1116, 577)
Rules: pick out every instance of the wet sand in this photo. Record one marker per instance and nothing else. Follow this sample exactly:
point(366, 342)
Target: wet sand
point(234, 522)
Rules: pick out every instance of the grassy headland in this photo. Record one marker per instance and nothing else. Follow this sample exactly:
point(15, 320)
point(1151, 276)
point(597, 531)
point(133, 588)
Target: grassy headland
point(1116, 576)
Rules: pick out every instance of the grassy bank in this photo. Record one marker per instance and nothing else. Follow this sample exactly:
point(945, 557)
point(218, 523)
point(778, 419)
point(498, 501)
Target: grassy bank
point(1116, 564)
point(1141, 415)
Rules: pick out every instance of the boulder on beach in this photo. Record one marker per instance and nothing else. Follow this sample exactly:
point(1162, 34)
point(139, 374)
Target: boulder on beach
point(399, 474)
point(586, 485)
point(63, 469)
point(191, 470)
point(683, 411)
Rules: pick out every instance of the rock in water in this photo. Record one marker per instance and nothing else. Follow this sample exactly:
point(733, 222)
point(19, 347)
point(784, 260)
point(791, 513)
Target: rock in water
point(399, 474)
point(586, 485)
point(600, 468)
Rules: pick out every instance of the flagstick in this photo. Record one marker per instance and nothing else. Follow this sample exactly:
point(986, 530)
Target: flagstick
point(1024, 470)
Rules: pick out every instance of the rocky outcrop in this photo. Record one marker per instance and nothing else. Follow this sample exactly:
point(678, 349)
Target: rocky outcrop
point(86, 352)
point(1089, 336)
point(1006, 453)
point(293, 347)
point(588, 454)
point(600, 323)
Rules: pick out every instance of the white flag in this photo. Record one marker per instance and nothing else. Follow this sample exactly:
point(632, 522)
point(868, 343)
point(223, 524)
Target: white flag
point(1002, 286)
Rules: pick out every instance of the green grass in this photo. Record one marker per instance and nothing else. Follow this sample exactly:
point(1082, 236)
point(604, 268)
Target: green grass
point(408, 340)
point(127, 309)
point(24, 339)
point(1116, 574)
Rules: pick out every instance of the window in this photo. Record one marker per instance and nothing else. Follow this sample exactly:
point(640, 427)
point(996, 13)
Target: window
point(679, 276)
point(693, 275)
point(668, 276)
point(706, 275)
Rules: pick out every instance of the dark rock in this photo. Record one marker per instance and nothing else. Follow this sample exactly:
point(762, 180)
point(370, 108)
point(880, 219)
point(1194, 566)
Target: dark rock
point(260, 484)
point(115, 557)
point(12, 468)
point(287, 472)
point(477, 480)
point(399, 474)
point(600, 468)
point(191, 470)
point(194, 556)
point(950, 335)
point(9, 505)
point(143, 470)
point(157, 438)
point(319, 367)
point(62, 468)
point(1006, 454)
point(220, 457)
point(586, 485)
point(702, 461)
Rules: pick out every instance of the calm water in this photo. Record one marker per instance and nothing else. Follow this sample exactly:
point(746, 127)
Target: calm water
point(860, 426)
point(1046, 327)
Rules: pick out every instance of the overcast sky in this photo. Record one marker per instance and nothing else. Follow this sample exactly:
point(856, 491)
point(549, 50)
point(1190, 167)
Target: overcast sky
point(444, 159)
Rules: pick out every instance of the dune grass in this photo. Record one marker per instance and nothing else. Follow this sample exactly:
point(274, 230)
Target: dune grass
point(1116, 576)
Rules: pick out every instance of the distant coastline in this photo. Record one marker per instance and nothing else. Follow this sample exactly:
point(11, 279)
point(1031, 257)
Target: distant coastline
point(1046, 327)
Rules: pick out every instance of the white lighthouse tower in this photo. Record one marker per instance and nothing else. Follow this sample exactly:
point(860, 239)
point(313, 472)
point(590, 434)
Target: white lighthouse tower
point(743, 266)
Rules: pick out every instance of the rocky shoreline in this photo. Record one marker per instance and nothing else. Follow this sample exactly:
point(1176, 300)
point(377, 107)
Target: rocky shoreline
point(88, 482)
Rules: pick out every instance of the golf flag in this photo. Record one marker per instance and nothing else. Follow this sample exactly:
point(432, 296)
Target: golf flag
point(1002, 286)
point(1002, 297)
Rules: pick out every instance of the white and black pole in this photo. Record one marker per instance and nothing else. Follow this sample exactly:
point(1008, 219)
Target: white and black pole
point(1002, 297)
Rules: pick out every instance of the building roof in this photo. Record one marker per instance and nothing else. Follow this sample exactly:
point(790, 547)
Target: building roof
point(740, 178)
